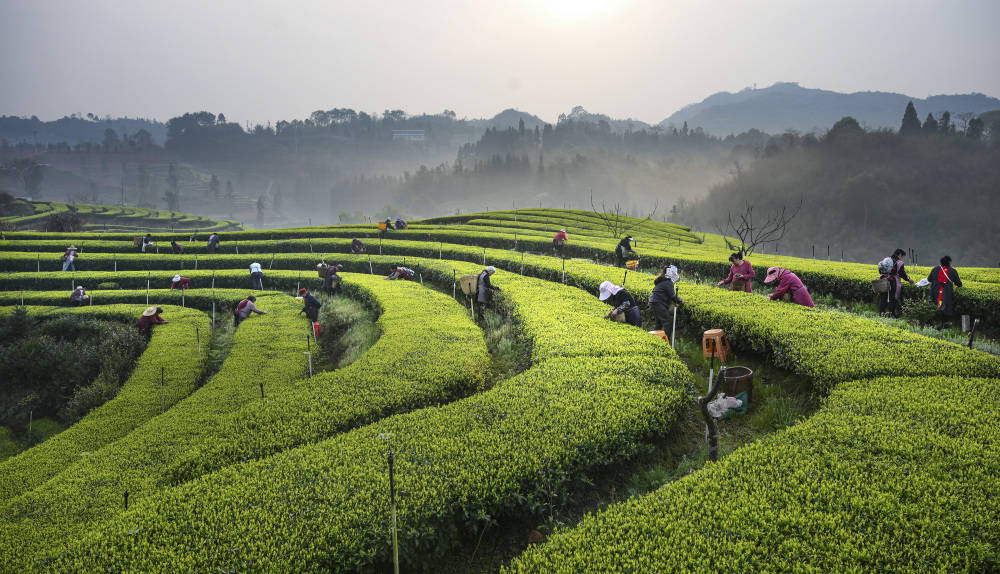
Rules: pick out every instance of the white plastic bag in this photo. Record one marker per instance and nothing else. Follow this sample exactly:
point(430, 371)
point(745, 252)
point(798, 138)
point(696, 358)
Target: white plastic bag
point(717, 408)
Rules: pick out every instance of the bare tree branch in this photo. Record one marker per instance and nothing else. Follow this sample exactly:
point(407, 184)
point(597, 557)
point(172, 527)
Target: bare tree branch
point(751, 234)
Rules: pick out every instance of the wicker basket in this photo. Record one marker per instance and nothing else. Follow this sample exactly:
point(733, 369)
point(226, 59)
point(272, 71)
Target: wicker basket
point(468, 284)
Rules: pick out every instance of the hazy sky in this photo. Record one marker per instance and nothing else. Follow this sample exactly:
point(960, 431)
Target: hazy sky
point(644, 59)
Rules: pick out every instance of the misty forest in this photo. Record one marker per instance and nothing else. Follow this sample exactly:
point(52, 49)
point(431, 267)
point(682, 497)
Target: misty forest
point(863, 190)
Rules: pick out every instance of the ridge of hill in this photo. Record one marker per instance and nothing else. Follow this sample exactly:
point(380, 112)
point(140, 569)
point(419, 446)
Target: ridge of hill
point(787, 105)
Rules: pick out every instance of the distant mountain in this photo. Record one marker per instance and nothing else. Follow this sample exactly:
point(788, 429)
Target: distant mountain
point(509, 118)
point(787, 105)
point(73, 130)
point(627, 125)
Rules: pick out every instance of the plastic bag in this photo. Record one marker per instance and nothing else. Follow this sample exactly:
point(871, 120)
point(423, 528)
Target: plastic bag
point(718, 407)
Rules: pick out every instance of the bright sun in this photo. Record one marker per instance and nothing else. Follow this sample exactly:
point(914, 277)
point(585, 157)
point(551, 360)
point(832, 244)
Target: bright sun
point(575, 9)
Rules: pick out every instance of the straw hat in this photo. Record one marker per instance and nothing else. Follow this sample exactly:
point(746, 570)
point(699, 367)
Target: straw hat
point(177, 278)
point(149, 312)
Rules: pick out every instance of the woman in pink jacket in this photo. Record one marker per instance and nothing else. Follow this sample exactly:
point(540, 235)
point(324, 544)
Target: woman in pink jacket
point(789, 283)
point(740, 274)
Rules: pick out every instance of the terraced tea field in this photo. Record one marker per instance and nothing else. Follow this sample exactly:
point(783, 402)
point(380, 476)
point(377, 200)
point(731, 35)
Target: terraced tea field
point(265, 465)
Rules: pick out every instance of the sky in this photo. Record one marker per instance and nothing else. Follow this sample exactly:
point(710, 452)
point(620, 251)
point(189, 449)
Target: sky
point(264, 61)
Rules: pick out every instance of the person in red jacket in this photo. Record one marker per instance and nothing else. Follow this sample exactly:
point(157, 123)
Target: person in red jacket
point(558, 241)
point(179, 282)
point(740, 274)
point(790, 284)
point(150, 317)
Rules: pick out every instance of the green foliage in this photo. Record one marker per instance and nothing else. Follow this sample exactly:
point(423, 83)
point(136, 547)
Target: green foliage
point(266, 348)
point(429, 352)
point(349, 330)
point(891, 475)
point(920, 311)
point(225, 481)
point(172, 347)
point(59, 365)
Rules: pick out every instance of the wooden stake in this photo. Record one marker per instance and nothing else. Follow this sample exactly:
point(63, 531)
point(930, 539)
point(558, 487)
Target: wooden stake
point(392, 500)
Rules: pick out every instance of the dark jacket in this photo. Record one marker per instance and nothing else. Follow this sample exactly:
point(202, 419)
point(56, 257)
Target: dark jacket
point(310, 300)
point(484, 288)
point(945, 290)
point(663, 292)
point(620, 298)
point(625, 303)
point(331, 277)
point(624, 246)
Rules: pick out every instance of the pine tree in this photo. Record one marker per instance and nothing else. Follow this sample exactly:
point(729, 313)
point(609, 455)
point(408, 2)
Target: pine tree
point(911, 123)
point(945, 126)
point(975, 129)
point(930, 125)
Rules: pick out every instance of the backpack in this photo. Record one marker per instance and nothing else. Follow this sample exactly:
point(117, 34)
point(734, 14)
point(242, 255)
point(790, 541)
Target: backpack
point(886, 266)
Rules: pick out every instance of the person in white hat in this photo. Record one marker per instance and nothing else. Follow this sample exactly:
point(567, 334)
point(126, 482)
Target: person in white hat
point(484, 288)
point(179, 282)
point(68, 257)
point(151, 316)
point(78, 296)
point(622, 301)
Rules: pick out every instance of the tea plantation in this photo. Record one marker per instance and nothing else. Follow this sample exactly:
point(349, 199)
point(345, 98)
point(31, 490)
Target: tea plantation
point(268, 462)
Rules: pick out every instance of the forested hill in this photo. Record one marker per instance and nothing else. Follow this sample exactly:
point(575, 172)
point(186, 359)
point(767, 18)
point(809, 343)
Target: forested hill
point(785, 106)
point(76, 129)
point(871, 192)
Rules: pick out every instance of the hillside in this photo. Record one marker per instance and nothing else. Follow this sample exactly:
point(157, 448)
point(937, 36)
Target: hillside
point(787, 105)
point(75, 129)
point(502, 438)
point(865, 194)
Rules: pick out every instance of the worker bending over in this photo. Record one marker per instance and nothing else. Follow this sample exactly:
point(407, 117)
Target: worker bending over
point(401, 272)
point(740, 274)
point(622, 301)
point(790, 287)
point(151, 316)
point(243, 310)
point(311, 305)
point(558, 240)
point(256, 276)
point(179, 282)
point(78, 296)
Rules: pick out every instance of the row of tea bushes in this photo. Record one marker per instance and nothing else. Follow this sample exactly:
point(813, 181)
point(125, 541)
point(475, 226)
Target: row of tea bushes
point(586, 401)
point(266, 349)
point(891, 475)
point(429, 353)
point(173, 348)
